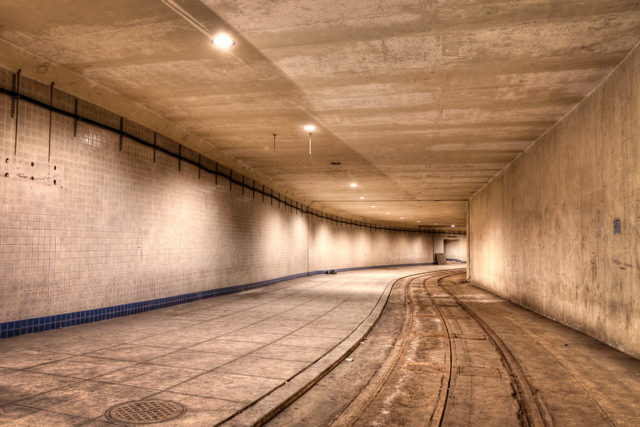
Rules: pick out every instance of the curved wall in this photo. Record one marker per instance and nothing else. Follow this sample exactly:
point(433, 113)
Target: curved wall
point(119, 227)
point(341, 246)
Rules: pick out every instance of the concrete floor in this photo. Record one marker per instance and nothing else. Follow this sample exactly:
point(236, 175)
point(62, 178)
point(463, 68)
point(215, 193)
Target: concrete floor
point(240, 357)
point(448, 353)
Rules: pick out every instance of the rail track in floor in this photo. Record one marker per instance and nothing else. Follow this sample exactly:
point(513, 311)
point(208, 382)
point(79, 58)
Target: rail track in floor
point(443, 359)
point(532, 410)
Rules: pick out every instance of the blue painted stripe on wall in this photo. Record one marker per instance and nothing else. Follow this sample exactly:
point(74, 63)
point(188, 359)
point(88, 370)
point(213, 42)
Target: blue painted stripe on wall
point(45, 323)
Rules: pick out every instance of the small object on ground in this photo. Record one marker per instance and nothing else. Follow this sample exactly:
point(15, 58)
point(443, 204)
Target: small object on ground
point(349, 359)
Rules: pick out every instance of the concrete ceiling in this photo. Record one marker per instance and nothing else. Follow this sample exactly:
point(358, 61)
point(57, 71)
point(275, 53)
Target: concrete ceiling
point(422, 102)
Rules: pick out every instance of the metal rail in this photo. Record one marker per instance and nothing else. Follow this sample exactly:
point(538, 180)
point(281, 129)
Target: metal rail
point(361, 403)
point(16, 96)
point(532, 410)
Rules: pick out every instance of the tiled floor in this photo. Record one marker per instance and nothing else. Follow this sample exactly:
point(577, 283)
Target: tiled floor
point(215, 356)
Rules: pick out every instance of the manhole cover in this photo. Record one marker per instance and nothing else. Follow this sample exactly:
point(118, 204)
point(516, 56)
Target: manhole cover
point(145, 411)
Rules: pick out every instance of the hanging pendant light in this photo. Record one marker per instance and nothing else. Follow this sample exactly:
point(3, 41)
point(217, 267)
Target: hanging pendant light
point(309, 129)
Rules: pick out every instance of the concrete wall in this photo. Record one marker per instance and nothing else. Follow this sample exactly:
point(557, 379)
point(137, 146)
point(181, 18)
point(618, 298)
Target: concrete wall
point(542, 232)
point(456, 248)
point(117, 227)
point(438, 243)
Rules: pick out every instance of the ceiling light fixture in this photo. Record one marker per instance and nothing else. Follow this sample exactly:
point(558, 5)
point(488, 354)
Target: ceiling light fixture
point(373, 206)
point(417, 221)
point(223, 41)
point(387, 213)
point(353, 185)
point(362, 197)
point(309, 129)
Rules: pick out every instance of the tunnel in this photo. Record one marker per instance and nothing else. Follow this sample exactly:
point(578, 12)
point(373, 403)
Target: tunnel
point(320, 213)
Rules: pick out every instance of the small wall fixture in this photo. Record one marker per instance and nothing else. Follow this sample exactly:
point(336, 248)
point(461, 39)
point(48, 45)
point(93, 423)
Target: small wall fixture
point(353, 185)
point(617, 226)
point(362, 197)
point(453, 226)
point(223, 41)
point(310, 129)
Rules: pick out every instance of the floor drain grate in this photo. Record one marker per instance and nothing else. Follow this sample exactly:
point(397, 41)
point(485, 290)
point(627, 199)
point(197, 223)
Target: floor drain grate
point(145, 411)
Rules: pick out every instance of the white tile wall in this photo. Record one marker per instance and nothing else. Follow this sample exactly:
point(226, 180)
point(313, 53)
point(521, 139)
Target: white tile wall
point(118, 228)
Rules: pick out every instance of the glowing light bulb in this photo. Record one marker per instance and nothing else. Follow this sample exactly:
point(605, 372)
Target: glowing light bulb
point(353, 185)
point(223, 41)
point(309, 128)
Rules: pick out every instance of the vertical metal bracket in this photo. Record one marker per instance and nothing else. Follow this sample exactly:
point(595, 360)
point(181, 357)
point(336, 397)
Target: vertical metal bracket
point(75, 117)
point(16, 108)
point(50, 120)
point(121, 129)
point(13, 98)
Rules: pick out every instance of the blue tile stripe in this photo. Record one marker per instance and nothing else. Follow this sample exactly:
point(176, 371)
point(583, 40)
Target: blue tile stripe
point(45, 323)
